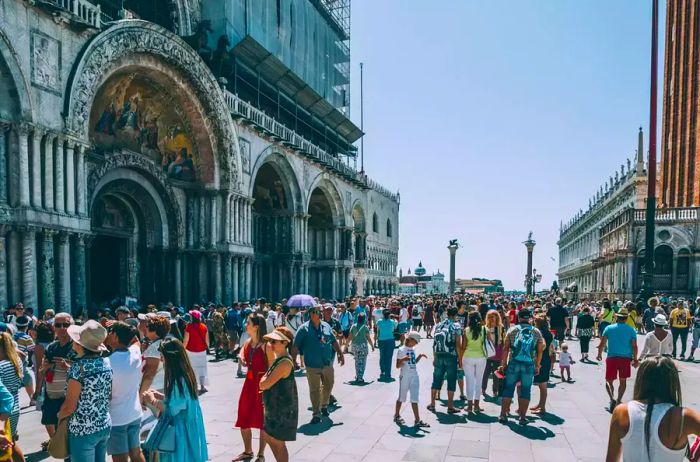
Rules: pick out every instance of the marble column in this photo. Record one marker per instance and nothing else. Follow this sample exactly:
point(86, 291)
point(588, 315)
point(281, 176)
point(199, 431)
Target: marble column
point(202, 222)
point(70, 177)
point(79, 289)
point(236, 220)
point(177, 270)
point(293, 287)
point(22, 179)
point(36, 196)
point(29, 286)
point(4, 179)
point(81, 204)
point(3, 263)
point(334, 283)
point(226, 217)
point(47, 291)
point(281, 283)
point(203, 280)
point(241, 279)
point(228, 283)
point(47, 160)
point(215, 277)
point(63, 273)
point(248, 276)
point(235, 293)
point(58, 177)
point(214, 225)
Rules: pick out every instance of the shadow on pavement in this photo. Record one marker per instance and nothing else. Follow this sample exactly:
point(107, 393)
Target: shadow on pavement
point(316, 429)
point(445, 418)
point(355, 383)
point(531, 432)
point(412, 432)
point(551, 419)
point(482, 418)
point(36, 456)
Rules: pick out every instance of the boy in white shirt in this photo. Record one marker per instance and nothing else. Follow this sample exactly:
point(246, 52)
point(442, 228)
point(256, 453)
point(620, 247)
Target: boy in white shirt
point(406, 360)
point(565, 362)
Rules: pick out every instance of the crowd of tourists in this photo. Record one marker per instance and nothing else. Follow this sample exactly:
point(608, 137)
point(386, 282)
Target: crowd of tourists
point(127, 383)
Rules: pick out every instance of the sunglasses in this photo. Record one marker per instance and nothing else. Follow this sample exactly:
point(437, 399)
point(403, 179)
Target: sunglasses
point(272, 342)
point(61, 325)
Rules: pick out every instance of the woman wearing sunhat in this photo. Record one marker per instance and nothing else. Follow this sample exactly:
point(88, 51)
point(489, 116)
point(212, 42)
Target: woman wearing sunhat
point(658, 342)
point(197, 343)
point(88, 393)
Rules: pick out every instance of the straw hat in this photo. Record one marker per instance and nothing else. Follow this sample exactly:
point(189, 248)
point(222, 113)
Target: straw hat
point(277, 335)
point(655, 300)
point(90, 335)
point(660, 320)
point(622, 313)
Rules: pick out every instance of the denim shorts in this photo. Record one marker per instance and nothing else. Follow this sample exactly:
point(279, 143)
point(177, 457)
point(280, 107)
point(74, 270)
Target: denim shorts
point(123, 438)
point(519, 372)
point(445, 367)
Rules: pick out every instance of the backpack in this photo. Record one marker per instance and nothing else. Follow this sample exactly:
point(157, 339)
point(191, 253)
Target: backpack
point(232, 319)
point(415, 313)
point(444, 338)
point(524, 344)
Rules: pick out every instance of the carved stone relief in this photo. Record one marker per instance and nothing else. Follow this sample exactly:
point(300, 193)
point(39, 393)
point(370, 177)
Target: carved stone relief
point(45, 62)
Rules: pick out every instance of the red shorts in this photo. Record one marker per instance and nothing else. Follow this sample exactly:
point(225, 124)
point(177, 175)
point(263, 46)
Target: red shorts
point(617, 368)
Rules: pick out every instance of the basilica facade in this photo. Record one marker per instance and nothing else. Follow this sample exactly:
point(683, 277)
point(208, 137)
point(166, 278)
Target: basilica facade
point(129, 168)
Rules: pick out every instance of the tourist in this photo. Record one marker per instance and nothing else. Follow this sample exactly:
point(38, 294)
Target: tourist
point(547, 362)
point(565, 363)
point(125, 405)
point(428, 319)
point(621, 341)
point(218, 334)
point(54, 372)
point(658, 341)
point(179, 401)
point(345, 318)
point(197, 343)
point(474, 359)
point(522, 356)
point(585, 323)
point(406, 361)
point(233, 327)
point(157, 328)
point(88, 395)
point(558, 320)
point(360, 338)
point(404, 322)
point(680, 324)
point(12, 377)
point(605, 317)
point(695, 322)
point(318, 345)
point(280, 398)
point(250, 405)
point(293, 321)
point(43, 332)
point(417, 316)
point(377, 315)
point(385, 342)
point(632, 315)
point(448, 349)
point(653, 426)
point(496, 330)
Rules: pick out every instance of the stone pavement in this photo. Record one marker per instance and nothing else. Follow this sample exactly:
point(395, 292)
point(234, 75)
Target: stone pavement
point(362, 429)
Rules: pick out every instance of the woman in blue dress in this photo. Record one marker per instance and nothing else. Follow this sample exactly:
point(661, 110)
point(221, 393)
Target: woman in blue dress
point(180, 401)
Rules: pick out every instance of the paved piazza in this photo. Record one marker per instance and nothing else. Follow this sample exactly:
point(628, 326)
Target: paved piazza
point(362, 428)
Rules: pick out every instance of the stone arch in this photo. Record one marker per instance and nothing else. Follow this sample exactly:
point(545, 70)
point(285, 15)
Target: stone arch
point(330, 191)
point(286, 172)
point(15, 85)
point(148, 49)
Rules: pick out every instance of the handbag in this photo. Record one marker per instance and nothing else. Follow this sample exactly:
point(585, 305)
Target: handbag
point(58, 444)
point(162, 436)
point(489, 348)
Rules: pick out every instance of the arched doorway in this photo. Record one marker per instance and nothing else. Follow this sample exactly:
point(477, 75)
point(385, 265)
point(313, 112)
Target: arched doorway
point(683, 270)
point(325, 243)
point(273, 243)
point(663, 267)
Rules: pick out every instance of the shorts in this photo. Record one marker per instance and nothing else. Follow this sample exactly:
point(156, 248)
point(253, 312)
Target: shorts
point(232, 335)
point(403, 328)
point(124, 438)
point(560, 333)
point(409, 383)
point(617, 368)
point(445, 368)
point(417, 323)
point(346, 333)
point(49, 410)
point(519, 372)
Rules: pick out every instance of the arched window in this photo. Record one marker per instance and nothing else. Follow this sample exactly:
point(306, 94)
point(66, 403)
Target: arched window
point(375, 223)
point(389, 231)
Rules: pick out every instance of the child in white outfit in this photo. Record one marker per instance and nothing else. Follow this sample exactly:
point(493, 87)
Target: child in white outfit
point(406, 360)
point(565, 362)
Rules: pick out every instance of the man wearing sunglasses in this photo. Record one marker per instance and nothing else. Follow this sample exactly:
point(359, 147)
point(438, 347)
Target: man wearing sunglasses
point(54, 372)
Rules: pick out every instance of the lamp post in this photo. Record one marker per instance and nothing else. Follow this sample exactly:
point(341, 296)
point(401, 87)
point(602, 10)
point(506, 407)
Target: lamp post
point(530, 245)
point(648, 272)
point(454, 245)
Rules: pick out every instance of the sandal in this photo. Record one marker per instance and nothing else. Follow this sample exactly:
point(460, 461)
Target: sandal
point(260, 458)
point(421, 424)
point(453, 410)
point(398, 420)
point(522, 421)
point(503, 418)
point(431, 408)
point(243, 456)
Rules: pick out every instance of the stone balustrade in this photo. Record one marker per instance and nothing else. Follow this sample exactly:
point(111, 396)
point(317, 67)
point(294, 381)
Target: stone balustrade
point(675, 215)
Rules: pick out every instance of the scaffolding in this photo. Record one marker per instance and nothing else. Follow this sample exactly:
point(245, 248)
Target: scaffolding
point(339, 11)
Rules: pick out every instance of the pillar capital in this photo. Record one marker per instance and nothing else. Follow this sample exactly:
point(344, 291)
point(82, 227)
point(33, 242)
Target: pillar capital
point(48, 233)
point(5, 126)
point(63, 237)
point(22, 128)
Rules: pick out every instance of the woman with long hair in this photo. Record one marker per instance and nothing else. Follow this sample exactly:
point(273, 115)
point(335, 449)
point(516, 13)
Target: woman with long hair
point(197, 343)
point(474, 359)
point(179, 401)
point(43, 336)
point(361, 339)
point(254, 356)
point(496, 329)
point(12, 377)
point(542, 379)
point(654, 426)
point(280, 395)
point(584, 331)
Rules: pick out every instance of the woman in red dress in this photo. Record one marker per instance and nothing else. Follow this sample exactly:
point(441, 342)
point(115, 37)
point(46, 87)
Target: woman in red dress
point(254, 355)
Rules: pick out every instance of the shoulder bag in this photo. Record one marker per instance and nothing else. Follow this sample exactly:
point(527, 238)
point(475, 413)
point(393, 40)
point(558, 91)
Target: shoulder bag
point(489, 348)
point(58, 444)
point(162, 437)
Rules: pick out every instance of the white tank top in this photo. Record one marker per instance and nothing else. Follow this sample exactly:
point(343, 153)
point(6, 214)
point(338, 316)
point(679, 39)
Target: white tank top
point(633, 443)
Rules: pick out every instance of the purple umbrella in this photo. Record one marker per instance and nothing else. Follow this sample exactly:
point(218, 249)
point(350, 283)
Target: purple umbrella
point(301, 300)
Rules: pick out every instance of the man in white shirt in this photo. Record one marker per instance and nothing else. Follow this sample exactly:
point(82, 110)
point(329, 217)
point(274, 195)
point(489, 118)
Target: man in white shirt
point(125, 406)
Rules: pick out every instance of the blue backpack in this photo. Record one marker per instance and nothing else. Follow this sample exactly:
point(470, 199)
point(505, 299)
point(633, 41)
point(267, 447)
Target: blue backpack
point(232, 319)
point(524, 344)
point(444, 338)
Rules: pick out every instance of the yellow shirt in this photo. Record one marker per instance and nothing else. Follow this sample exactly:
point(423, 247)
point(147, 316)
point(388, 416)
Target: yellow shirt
point(680, 318)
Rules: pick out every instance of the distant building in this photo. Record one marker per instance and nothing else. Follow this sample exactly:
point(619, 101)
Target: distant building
point(422, 283)
point(479, 286)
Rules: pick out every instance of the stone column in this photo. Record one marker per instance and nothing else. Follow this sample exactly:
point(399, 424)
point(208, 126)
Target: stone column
point(70, 177)
point(202, 221)
point(4, 179)
point(14, 260)
point(241, 279)
point(248, 276)
point(22, 170)
point(293, 287)
point(228, 286)
point(47, 292)
point(226, 217)
point(203, 280)
point(58, 177)
point(674, 269)
point(214, 216)
point(177, 270)
point(216, 278)
point(280, 283)
point(235, 280)
point(81, 204)
point(47, 159)
point(79, 282)
point(3, 260)
point(63, 273)
point(334, 283)
point(236, 220)
point(36, 196)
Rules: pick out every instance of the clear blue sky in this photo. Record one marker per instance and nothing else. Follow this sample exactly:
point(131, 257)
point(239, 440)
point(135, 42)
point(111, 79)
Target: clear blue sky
point(494, 118)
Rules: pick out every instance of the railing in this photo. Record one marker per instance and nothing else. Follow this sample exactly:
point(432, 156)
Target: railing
point(84, 10)
point(669, 215)
point(290, 138)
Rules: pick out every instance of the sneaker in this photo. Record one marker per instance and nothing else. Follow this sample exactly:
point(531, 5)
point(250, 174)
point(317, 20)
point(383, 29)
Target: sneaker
point(325, 412)
point(315, 420)
point(332, 400)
